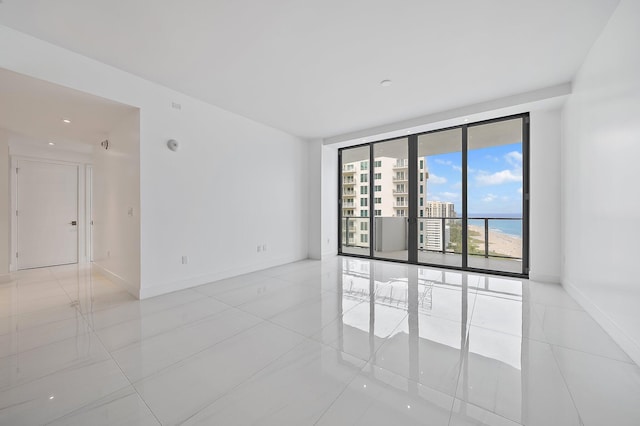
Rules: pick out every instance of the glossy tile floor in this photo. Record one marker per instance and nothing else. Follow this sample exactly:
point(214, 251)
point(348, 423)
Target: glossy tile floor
point(339, 342)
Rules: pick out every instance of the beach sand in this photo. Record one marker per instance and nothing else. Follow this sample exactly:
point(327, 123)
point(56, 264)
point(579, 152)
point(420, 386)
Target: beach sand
point(499, 243)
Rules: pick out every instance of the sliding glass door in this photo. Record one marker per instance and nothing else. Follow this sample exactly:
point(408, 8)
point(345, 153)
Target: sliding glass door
point(439, 194)
point(454, 198)
point(391, 200)
point(494, 196)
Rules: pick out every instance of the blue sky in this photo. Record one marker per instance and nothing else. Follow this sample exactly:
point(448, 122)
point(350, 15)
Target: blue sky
point(495, 179)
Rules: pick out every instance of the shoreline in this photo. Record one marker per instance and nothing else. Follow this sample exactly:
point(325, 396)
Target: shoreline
point(499, 242)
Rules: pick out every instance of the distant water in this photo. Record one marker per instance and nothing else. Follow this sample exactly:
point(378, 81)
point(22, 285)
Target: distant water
point(511, 227)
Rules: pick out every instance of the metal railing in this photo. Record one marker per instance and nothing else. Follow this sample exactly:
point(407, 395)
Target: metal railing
point(444, 244)
point(444, 235)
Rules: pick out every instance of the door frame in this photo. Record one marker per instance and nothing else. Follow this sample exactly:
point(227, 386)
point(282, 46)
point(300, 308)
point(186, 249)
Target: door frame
point(81, 206)
point(412, 140)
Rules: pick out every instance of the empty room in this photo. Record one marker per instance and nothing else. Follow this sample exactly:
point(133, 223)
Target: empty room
point(319, 212)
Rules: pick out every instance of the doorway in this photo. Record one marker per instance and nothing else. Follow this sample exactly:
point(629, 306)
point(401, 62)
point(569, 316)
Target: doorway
point(46, 217)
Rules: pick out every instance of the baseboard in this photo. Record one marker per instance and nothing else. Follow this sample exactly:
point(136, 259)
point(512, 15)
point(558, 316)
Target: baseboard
point(543, 278)
point(629, 345)
point(328, 254)
point(117, 279)
point(165, 288)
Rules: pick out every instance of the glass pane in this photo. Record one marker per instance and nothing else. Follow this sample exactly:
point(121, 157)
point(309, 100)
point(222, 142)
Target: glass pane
point(391, 199)
point(355, 201)
point(495, 196)
point(440, 198)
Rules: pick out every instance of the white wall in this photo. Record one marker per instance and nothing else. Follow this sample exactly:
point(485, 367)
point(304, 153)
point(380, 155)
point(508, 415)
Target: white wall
point(329, 201)
point(315, 199)
point(544, 212)
point(116, 204)
point(601, 199)
point(232, 185)
point(5, 226)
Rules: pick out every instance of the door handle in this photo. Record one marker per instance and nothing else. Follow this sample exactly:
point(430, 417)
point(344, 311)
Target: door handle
point(74, 223)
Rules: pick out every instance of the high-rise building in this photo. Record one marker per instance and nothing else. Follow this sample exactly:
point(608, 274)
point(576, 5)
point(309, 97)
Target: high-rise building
point(391, 199)
point(436, 225)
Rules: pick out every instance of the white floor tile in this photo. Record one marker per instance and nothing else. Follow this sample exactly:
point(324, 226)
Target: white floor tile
point(198, 381)
point(606, 392)
point(156, 353)
point(386, 343)
point(55, 395)
point(124, 408)
point(294, 390)
point(379, 397)
point(427, 350)
point(37, 363)
point(575, 329)
point(24, 340)
point(515, 378)
point(465, 414)
point(126, 333)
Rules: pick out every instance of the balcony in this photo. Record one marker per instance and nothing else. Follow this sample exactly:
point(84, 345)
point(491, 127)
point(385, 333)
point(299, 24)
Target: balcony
point(401, 164)
point(400, 178)
point(348, 205)
point(401, 205)
point(494, 244)
point(349, 194)
point(348, 169)
point(348, 181)
point(400, 191)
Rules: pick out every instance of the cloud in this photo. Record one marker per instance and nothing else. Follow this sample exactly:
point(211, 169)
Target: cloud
point(489, 198)
point(436, 179)
point(492, 157)
point(450, 195)
point(498, 178)
point(520, 190)
point(514, 158)
point(440, 161)
point(448, 163)
point(457, 185)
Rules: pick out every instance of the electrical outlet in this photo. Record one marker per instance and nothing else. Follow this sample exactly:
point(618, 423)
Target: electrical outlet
point(185, 260)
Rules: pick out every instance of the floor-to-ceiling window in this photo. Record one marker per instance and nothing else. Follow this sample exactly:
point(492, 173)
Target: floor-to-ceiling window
point(455, 197)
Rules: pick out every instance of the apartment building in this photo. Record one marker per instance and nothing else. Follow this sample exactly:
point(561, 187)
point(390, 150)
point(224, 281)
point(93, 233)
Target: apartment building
point(391, 199)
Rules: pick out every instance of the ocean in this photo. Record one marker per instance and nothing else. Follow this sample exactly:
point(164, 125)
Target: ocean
point(510, 227)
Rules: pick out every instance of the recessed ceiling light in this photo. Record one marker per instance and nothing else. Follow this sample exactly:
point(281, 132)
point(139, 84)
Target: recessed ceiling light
point(385, 83)
point(66, 120)
point(51, 143)
point(466, 120)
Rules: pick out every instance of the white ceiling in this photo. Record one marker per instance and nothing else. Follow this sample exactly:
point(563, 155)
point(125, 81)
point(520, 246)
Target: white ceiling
point(312, 68)
point(36, 108)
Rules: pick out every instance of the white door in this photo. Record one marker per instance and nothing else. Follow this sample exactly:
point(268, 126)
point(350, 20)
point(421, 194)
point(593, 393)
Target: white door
point(47, 216)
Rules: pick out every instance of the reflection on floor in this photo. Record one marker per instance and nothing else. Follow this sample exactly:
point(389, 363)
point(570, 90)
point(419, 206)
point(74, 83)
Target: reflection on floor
point(448, 259)
point(342, 341)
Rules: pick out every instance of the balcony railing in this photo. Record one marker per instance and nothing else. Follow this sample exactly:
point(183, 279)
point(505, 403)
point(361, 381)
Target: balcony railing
point(349, 181)
point(348, 169)
point(400, 191)
point(401, 164)
point(488, 237)
point(444, 234)
point(402, 204)
point(400, 178)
